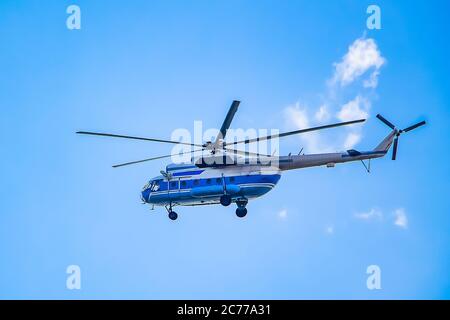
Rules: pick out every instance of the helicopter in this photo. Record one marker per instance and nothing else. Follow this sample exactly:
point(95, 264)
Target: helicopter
point(226, 175)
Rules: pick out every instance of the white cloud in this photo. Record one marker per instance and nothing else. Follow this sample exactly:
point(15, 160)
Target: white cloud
point(401, 220)
point(362, 55)
point(372, 82)
point(282, 214)
point(322, 114)
point(297, 117)
point(351, 140)
point(355, 109)
point(369, 215)
point(329, 230)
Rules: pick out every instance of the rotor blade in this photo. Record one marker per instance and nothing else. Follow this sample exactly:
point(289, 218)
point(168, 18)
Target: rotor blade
point(246, 153)
point(154, 158)
point(229, 117)
point(280, 135)
point(137, 138)
point(421, 123)
point(394, 150)
point(386, 122)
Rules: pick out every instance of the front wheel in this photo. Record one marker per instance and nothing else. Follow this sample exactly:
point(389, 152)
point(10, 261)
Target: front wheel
point(173, 215)
point(241, 212)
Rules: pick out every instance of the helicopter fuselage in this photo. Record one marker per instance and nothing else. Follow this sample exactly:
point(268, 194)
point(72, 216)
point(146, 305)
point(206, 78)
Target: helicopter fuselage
point(189, 185)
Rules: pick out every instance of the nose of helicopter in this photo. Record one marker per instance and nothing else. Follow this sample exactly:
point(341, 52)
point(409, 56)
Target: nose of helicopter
point(144, 195)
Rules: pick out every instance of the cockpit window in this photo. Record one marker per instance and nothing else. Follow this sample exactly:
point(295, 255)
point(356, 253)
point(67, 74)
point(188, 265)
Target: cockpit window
point(147, 185)
point(155, 185)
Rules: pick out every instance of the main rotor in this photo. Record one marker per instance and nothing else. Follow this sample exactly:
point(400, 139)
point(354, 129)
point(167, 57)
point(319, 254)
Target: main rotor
point(219, 145)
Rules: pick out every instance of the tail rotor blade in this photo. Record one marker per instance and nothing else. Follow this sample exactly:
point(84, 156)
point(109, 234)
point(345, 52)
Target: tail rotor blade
point(394, 151)
point(386, 122)
point(421, 123)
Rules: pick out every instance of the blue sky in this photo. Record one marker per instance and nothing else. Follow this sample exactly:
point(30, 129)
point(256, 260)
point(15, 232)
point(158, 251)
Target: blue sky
point(149, 67)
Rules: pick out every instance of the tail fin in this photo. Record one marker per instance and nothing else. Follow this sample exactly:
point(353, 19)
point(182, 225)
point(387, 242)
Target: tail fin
point(387, 142)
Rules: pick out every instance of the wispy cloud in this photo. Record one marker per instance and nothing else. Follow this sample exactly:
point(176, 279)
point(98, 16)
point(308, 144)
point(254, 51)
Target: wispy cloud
point(322, 114)
point(357, 108)
point(329, 230)
point(282, 214)
point(401, 220)
point(369, 215)
point(352, 140)
point(297, 116)
point(372, 82)
point(362, 55)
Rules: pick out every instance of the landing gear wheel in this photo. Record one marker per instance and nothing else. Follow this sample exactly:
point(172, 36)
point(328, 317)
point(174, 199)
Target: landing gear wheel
point(225, 200)
point(241, 212)
point(173, 215)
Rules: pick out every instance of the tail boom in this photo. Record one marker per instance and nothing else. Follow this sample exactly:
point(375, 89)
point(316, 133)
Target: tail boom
point(326, 159)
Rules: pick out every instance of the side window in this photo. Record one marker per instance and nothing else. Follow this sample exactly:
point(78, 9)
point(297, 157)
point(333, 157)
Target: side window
point(219, 180)
point(196, 182)
point(173, 184)
point(231, 179)
point(208, 181)
point(183, 184)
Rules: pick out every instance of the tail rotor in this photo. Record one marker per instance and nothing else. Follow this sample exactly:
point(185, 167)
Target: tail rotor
point(398, 132)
